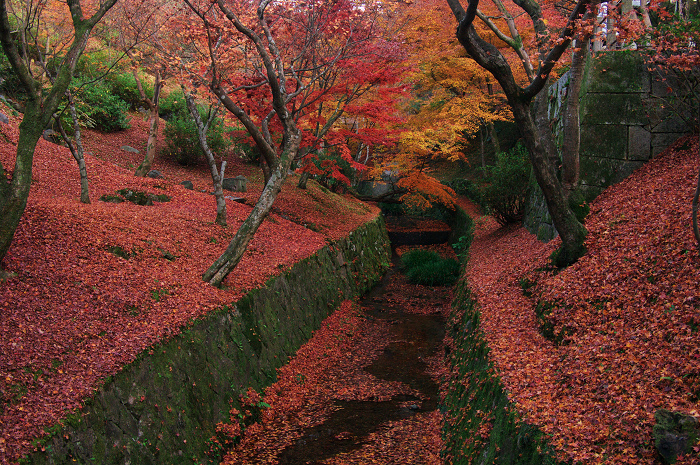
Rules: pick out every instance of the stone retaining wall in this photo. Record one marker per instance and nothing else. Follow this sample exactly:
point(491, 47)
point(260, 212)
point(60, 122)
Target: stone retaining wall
point(163, 408)
point(623, 124)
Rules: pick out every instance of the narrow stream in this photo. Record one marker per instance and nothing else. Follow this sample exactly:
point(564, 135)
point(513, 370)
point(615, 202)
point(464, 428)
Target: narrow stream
point(416, 318)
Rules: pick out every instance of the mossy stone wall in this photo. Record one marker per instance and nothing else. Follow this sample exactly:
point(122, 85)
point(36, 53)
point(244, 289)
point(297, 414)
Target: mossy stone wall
point(163, 408)
point(623, 124)
point(481, 426)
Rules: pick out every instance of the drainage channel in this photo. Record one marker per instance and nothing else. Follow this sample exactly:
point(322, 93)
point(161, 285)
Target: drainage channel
point(415, 318)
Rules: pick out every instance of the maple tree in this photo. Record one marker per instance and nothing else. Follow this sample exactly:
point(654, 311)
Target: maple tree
point(268, 63)
point(142, 27)
point(41, 102)
point(520, 98)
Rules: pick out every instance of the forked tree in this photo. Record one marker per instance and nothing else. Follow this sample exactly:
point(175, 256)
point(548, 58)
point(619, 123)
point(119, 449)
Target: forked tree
point(42, 101)
point(520, 99)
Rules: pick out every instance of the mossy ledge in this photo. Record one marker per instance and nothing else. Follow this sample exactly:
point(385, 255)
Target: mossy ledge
point(163, 407)
point(481, 425)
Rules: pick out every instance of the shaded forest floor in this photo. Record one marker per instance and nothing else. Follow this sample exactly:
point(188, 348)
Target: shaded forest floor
point(622, 323)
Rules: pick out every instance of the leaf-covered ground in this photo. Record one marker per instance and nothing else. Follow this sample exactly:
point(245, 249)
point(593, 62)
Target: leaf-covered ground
point(625, 315)
point(97, 284)
point(331, 368)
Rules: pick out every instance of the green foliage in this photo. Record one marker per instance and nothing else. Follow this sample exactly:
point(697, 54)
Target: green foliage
point(506, 189)
point(125, 87)
point(173, 105)
point(9, 82)
point(97, 64)
point(182, 140)
point(429, 268)
point(468, 188)
point(98, 108)
point(461, 246)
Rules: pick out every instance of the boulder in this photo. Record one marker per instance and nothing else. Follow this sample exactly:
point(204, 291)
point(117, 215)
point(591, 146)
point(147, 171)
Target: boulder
point(155, 174)
point(675, 434)
point(128, 148)
point(237, 184)
point(187, 184)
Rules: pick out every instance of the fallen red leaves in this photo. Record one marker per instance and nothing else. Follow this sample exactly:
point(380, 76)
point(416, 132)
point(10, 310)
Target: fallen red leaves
point(628, 313)
point(330, 368)
point(76, 312)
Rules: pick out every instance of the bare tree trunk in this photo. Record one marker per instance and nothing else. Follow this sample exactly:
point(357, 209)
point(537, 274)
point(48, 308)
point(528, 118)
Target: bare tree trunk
point(494, 137)
point(151, 145)
point(482, 149)
point(572, 127)
point(611, 36)
point(217, 178)
point(76, 149)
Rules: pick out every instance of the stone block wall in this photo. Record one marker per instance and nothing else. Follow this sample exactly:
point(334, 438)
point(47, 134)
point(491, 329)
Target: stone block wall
point(163, 408)
point(623, 124)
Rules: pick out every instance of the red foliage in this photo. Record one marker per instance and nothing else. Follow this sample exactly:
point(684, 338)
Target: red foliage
point(627, 312)
point(76, 312)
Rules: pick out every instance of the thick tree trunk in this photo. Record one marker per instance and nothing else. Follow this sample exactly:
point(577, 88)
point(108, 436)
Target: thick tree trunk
point(14, 193)
point(569, 228)
point(235, 250)
point(572, 127)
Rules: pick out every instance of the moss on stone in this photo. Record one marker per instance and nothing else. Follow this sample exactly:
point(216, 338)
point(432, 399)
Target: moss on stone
point(163, 407)
point(481, 425)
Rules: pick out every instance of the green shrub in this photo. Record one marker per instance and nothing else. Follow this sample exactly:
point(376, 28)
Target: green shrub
point(173, 105)
point(418, 257)
point(506, 189)
point(98, 63)
point(9, 81)
point(98, 108)
point(124, 86)
point(182, 140)
point(429, 268)
point(469, 189)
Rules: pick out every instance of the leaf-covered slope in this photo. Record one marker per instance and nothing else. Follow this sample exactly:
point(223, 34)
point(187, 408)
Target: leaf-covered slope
point(97, 284)
point(626, 316)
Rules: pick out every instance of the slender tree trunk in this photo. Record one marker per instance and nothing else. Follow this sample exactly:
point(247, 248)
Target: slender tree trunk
point(494, 137)
point(217, 178)
point(482, 149)
point(79, 154)
point(151, 145)
point(235, 250)
point(303, 180)
point(572, 127)
point(76, 149)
